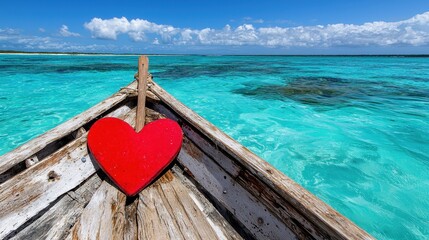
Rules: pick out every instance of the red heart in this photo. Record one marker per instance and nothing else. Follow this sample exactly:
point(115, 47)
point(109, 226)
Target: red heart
point(132, 160)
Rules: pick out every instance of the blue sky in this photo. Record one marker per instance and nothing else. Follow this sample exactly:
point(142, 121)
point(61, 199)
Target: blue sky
point(217, 27)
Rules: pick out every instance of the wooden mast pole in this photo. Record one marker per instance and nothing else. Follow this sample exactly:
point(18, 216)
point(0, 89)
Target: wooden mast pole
point(142, 86)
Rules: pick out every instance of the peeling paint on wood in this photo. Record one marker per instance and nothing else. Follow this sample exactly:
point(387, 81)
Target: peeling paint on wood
point(243, 205)
point(57, 221)
point(217, 222)
point(26, 194)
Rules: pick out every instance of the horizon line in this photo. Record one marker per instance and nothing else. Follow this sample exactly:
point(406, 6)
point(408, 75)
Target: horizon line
point(199, 54)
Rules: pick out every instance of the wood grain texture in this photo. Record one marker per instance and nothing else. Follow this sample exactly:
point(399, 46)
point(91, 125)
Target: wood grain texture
point(168, 209)
point(316, 211)
point(29, 149)
point(153, 219)
point(57, 221)
point(130, 228)
point(217, 222)
point(271, 200)
point(244, 206)
point(26, 194)
point(104, 217)
point(189, 218)
point(141, 91)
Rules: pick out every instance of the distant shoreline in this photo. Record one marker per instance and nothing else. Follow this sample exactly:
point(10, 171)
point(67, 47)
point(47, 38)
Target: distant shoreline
point(5, 52)
point(65, 54)
point(82, 53)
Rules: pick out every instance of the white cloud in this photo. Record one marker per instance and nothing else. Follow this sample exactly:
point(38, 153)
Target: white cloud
point(411, 32)
point(8, 31)
point(107, 29)
point(136, 29)
point(64, 31)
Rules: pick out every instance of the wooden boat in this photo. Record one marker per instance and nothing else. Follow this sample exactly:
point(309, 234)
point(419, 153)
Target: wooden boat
point(215, 189)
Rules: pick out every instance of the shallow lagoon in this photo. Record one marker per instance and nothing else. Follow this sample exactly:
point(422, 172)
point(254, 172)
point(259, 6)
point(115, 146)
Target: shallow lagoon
point(352, 130)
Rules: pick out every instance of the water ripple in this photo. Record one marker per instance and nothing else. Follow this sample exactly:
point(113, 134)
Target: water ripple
point(352, 130)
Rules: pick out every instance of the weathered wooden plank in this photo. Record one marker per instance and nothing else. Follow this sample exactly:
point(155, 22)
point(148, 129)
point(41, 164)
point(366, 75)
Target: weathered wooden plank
point(281, 208)
point(130, 228)
point(103, 217)
point(316, 211)
point(142, 87)
point(57, 221)
point(25, 151)
point(153, 219)
point(28, 193)
point(212, 150)
point(206, 219)
point(295, 220)
point(174, 205)
point(169, 209)
point(12, 172)
point(245, 207)
point(191, 220)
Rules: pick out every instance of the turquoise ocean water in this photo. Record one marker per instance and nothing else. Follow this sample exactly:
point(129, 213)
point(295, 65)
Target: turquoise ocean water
point(352, 130)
